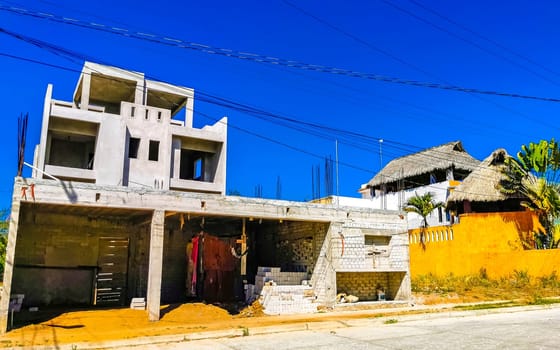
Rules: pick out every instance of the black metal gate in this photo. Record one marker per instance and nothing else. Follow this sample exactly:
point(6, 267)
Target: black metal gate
point(112, 269)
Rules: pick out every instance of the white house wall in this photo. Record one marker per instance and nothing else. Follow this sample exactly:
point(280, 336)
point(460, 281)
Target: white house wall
point(396, 200)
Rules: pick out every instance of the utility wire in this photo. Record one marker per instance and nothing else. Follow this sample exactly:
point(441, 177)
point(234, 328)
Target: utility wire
point(174, 42)
point(70, 54)
point(356, 38)
point(468, 41)
point(483, 37)
point(338, 134)
point(396, 145)
point(404, 62)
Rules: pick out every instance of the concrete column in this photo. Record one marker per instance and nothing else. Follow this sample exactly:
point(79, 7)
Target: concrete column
point(156, 262)
point(9, 265)
point(176, 149)
point(140, 93)
point(44, 131)
point(86, 85)
point(189, 110)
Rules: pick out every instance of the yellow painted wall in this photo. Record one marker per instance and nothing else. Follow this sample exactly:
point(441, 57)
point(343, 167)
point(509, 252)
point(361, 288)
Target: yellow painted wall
point(492, 241)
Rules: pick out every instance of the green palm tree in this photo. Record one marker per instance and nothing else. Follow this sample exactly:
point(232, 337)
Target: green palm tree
point(543, 198)
point(534, 175)
point(422, 205)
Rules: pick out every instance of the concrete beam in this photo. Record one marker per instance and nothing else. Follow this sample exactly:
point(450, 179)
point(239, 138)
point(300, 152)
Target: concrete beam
point(156, 263)
point(86, 195)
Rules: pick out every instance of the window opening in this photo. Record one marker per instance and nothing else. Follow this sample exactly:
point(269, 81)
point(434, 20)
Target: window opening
point(197, 169)
point(147, 114)
point(133, 145)
point(132, 111)
point(154, 150)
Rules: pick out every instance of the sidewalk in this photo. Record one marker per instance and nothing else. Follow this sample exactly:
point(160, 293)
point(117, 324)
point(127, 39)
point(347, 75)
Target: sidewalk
point(278, 324)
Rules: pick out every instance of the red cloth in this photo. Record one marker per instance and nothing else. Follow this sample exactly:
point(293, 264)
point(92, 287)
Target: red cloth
point(194, 259)
point(217, 255)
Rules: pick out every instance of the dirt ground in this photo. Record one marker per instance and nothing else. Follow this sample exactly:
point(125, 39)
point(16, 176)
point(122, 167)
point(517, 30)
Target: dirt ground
point(49, 327)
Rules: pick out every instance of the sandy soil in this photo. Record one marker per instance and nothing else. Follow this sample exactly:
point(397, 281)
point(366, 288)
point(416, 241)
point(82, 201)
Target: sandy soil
point(110, 324)
point(51, 328)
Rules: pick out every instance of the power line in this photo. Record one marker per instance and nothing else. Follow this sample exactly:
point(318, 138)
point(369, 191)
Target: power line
point(483, 37)
point(470, 42)
point(173, 42)
point(404, 62)
point(238, 107)
point(292, 123)
point(356, 38)
point(393, 144)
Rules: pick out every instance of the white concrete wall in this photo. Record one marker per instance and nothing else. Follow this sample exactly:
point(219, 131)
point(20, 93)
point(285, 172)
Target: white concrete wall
point(110, 146)
point(396, 200)
point(147, 126)
point(112, 166)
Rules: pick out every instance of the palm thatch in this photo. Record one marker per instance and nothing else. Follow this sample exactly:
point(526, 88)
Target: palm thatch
point(446, 156)
point(483, 184)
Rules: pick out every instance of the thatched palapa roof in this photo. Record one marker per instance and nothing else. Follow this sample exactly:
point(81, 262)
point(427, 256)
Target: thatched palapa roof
point(449, 155)
point(483, 184)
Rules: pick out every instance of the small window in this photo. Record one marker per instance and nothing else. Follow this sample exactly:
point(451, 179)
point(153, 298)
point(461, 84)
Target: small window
point(132, 111)
point(159, 116)
point(154, 150)
point(197, 169)
point(133, 145)
point(440, 214)
point(433, 178)
point(147, 114)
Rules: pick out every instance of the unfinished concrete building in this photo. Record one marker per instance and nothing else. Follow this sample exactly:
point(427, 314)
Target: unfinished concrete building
point(122, 189)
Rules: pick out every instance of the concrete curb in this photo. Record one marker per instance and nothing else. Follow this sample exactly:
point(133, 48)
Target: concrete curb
point(374, 317)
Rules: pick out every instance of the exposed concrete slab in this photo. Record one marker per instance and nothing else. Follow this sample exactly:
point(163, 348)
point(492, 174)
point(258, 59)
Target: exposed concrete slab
point(83, 194)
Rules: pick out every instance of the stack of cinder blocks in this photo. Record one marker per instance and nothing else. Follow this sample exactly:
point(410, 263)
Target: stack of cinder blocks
point(284, 292)
point(138, 304)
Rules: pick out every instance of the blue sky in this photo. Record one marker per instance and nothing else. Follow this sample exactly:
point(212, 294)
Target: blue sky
point(501, 46)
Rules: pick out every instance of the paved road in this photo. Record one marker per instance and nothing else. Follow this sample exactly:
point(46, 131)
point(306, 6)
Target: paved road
point(538, 329)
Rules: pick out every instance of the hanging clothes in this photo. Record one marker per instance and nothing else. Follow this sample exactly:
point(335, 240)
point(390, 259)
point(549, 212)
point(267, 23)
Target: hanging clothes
point(194, 264)
point(190, 269)
point(217, 254)
point(219, 269)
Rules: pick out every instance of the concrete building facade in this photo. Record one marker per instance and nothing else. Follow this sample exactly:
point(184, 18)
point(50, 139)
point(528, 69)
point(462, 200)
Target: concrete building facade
point(105, 219)
point(124, 130)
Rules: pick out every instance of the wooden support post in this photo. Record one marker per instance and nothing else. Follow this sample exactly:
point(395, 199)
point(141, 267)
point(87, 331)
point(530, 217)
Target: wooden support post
point(243, 242)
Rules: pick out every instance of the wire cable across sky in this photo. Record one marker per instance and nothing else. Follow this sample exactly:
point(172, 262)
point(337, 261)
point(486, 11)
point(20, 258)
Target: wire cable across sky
point(184, 44)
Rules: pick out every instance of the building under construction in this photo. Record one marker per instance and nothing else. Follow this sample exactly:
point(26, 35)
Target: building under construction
point(127, 200)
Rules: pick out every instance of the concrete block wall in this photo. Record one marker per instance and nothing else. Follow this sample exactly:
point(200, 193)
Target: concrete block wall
point(343, 250)
point(174, 270)
point(51, 248)
point(323, 278)
point(274, 274)
point(299, 243)
point(290, 299)
point(399, 257)
point(348, 250)
point(365, 284)
point(53, 240)
point(138, 261)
